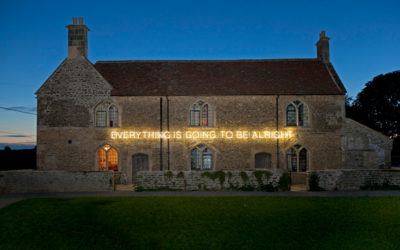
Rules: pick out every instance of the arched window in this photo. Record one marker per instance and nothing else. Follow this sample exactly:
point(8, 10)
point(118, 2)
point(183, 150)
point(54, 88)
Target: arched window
point(303, 160)
point(297, 114)
point(297, 159)
point(107, 158)
point(106, 115)
point(201, 158)
point(200, 115)
point(263, 160)
point(195, 159)
point(204, 115)
point(291, 115)
point(113, 116)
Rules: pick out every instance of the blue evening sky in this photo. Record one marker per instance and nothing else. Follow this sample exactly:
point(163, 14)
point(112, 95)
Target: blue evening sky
point(365, 39)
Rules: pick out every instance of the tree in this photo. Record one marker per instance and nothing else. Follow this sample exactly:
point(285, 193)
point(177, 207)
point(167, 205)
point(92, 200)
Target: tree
point(378, 106)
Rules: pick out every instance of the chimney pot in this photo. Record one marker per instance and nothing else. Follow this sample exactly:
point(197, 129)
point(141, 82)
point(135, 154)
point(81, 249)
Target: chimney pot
point(77, 38)
point(323, 47)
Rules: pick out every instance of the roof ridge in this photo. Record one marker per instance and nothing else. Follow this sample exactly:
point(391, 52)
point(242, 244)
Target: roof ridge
point(206, 61)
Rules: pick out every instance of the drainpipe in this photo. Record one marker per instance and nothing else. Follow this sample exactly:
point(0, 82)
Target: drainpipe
point(277, 129)
point(168, 132)
point(161, 140)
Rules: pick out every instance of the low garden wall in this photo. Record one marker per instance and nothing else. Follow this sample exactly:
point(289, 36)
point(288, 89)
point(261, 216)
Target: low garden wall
point(212, 180)
point(34, 181)
point(358, 179)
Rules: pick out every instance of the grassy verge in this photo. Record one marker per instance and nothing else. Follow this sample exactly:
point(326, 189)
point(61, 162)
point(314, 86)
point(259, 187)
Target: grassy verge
point(202, 223)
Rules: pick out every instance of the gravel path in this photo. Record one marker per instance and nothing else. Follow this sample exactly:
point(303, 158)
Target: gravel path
point(7, 199)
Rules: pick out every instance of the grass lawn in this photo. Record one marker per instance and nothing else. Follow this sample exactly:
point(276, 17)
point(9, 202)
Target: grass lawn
point(202, 223)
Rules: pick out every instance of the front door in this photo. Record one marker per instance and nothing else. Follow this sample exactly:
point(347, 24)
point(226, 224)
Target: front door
point(140, 162)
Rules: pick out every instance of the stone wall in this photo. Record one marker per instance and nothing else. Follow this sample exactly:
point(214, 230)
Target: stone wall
point(206, 180)
point(364, 148)
point(33, 181)
point(74, 148)
point(355, 179)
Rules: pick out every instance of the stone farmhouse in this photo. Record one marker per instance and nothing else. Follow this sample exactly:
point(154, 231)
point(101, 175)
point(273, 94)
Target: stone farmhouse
point(195, 115)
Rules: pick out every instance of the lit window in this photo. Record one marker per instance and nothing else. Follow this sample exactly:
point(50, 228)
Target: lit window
point(106, 115)
point(297, 159)
point(200, 115)
point(201, 158)
point(297, 114)
point(204, 115)
point(263, 160)
point(107, 158)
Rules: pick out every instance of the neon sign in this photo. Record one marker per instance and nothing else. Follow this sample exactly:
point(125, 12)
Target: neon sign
point(196, 134)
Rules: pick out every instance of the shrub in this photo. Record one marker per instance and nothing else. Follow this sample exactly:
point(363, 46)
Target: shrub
point(268, 188)
point(284, 182)
point(244, 176)
point(259, 175)
point(247, 188)
point(180, 175)
point(214, 175)
point(313, 182)
point(169, 174)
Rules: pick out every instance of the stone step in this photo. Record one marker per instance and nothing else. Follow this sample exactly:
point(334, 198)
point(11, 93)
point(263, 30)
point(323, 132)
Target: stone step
point(298, 188)
point(126, 187)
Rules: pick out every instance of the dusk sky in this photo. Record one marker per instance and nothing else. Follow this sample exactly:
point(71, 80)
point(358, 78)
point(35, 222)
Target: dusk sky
point(365, 40)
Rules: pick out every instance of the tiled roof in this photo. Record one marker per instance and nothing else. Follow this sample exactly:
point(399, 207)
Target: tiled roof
point(235, 77)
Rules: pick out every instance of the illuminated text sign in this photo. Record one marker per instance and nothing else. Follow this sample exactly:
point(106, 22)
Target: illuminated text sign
point(209, 134)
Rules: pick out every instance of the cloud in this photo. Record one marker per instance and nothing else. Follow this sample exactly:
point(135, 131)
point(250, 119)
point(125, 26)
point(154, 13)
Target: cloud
point(24, 108)
point(15, 136)
point(18, 144)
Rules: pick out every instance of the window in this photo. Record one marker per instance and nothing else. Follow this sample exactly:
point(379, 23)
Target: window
point(263, 160)
point(107, 158)
point(201, 158)
point(291, 115)
point(106, 115)
point(297, 159)
point(200, 115)
point(297, 114)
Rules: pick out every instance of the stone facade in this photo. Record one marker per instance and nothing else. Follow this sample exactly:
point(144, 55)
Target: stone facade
point(68, 138)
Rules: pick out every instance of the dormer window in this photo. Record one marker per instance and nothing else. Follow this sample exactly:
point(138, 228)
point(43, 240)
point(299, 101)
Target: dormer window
point(106, 115)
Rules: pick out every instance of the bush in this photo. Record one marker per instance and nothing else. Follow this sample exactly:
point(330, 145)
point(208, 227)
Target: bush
point(247, 188)
point(244, 176)
point(268, 188)
point(313, 182)
point(259, 175)
point(284, 182)
point(215, 175)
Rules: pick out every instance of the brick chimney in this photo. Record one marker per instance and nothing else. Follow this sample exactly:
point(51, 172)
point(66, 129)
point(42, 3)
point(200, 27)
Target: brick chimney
point(323, 47)
point(77, 38)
